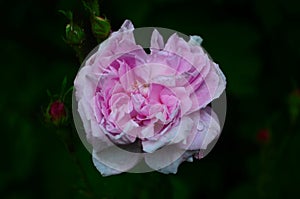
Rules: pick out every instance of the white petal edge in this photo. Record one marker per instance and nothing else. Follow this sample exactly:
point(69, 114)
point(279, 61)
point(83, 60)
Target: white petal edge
point(114, 160)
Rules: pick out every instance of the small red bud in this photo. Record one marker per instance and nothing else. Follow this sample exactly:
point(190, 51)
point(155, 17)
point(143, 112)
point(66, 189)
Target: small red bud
point(57, 112)
point(263, 136)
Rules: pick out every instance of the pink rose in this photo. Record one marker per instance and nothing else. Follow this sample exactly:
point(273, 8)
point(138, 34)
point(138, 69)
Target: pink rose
point(150, 109)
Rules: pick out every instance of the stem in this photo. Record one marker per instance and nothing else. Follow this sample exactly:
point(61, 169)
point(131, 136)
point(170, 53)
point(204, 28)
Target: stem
point(67, 139)
point(89, 193)
point(67, 92)
point(80, 52)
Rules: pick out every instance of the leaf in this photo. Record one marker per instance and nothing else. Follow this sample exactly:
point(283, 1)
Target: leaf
point(92, 6)
point(49, 93)
point(63, 86)
point(67, 92)
point(68, 14)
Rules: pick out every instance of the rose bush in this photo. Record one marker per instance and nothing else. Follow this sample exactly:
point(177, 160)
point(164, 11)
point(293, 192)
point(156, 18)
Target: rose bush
point(151, 108)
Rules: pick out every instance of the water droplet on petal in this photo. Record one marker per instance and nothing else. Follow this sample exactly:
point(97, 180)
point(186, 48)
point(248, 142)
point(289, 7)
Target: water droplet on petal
point(200, 126)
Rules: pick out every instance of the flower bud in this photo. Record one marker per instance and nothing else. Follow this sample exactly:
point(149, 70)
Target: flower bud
point(57, 112)
point(74, 34)
point(263, 136)
point(100, 28)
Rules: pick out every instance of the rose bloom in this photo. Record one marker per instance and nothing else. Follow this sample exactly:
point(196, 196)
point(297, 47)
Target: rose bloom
point(152, 108)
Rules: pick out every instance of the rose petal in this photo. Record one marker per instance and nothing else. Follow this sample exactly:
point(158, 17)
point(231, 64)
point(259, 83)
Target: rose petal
point(103, 169)
point(148, 72)
point(163, 159)
point(185, 100)
point(173, 167)
point(170, 135)
point(127, 26)
point(210, 82)
point(98, 138)
point(85, 83)
point(210, 119)
point(114, 160)
point(208, 129)
point(157, 41)
point(119, 43)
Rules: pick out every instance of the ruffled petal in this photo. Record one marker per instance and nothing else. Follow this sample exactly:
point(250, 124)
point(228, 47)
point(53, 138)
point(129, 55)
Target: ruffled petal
point(211, 87)
point(98, 138)
point(114, 160)
point(208, 130)
point(85, 83)
point(170, 135)
point(209, 81)
point(164, 160)
point(103, 169)
point(157, 41)
point(173, 167)
point(119, 43)
point(212, 124)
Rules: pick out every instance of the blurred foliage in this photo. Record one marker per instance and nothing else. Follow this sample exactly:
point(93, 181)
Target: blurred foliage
point(256, 44)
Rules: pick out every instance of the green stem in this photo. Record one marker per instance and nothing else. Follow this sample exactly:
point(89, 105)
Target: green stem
point(67, 92)
point(89, 193)
point(67, 138)
point(80, 52)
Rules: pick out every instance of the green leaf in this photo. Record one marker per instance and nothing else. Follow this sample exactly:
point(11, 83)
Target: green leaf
point(67, 14)
point(49, 93)
point(63, 86)
point(75, 35)
point(67, 92)
point(92, 6)
point(101, 28)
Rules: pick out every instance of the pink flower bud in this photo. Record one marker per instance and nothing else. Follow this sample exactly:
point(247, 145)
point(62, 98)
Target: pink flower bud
point(57, 112)
point(263, 136)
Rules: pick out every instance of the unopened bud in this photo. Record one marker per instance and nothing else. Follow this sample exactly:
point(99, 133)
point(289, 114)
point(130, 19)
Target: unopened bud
point(263, 136)
point(74, 34)
point(57, 112)
point(101, 28)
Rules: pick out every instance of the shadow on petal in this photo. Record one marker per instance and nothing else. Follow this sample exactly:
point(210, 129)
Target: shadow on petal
point(165, 159)
point(114, 160)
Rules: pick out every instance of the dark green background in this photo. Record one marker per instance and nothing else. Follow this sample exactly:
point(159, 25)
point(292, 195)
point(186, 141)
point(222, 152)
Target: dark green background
point(256, 44)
